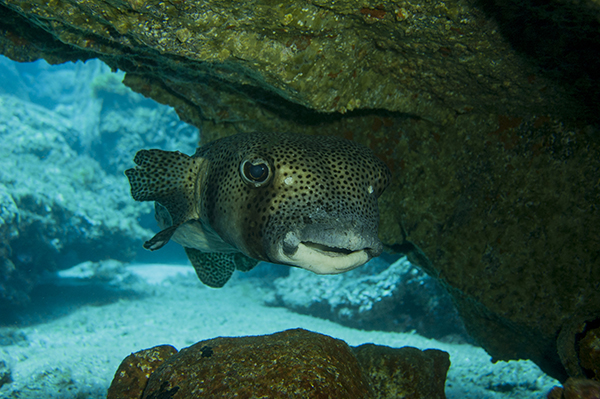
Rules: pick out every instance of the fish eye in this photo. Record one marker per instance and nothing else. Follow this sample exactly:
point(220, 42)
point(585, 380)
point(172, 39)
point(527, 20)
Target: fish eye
point(255, 171)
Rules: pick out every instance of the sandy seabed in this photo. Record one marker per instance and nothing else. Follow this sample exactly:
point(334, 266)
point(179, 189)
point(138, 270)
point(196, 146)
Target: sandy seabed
point(72, 344)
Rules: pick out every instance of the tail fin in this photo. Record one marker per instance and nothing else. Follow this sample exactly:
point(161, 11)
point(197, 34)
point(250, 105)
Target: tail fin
point(168, 177)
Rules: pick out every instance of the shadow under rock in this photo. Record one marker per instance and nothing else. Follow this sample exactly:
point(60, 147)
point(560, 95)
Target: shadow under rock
point(52, 301)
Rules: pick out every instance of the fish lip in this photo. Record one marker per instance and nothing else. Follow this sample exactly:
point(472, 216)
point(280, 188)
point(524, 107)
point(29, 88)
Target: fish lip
point(336, 237)
point(326, 250)
point(339, 251)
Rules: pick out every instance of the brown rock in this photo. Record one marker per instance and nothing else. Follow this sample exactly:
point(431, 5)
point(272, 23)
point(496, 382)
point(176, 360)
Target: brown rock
point(576, 388)
point(404, 372)
point(132, 375)
point(579, 346)
point(555, 393)
point(579, 388)
point(589, 353)
point(290, 364)
point(521, 260)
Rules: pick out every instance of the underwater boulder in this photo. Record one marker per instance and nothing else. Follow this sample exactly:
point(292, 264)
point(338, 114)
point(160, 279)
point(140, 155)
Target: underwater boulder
point(132, 375)
point(377, 296)
point(579, 347)
point(404, 372)
point(288, 364)
point(258, 66)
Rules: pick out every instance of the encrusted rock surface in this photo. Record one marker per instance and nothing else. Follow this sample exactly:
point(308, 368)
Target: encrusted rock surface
point(132, 375)
point(410, 57)
point(576, 388)
point(579, 347)
point(495, 189)
point(509, 223)
point(289, 364)
point(405, 372)
point(589, 352)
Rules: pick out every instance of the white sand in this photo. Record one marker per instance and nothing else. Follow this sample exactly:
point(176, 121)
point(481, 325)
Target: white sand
point(75, 356)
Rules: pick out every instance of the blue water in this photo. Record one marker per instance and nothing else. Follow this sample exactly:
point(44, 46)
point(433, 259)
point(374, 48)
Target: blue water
point(77, 289)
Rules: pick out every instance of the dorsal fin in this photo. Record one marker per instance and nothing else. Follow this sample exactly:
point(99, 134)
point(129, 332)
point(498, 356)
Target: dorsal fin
point(168, 177)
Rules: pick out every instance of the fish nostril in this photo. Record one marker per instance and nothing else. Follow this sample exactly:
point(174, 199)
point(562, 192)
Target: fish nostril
point(290, 244)
point(289, 249)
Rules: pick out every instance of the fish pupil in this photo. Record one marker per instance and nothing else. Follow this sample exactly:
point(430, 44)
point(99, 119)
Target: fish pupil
point(256, 173)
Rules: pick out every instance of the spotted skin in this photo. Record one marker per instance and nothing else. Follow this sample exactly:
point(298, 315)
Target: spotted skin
point(330, 176)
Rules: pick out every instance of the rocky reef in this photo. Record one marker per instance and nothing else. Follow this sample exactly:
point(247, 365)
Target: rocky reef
point(290, 364)
point(58, 207)
point(485, 112)
point(377, 296)
point(64, 198)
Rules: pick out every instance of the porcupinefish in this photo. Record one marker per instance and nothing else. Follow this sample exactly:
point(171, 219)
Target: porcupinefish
point(304, 201)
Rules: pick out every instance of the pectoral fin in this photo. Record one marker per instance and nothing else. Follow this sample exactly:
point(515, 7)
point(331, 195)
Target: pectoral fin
point(244, 263)
point(215, 268)
point(160, 239)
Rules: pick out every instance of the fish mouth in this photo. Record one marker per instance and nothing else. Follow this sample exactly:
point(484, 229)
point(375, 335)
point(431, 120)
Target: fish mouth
point(324, 250)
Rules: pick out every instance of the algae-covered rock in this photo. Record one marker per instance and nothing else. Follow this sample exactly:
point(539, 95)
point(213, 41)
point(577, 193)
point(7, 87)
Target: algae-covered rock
point(289, 364)
point(509, 224)
point(235, 64)
point(404, 372)
point(589, 353)
point(576, 388)
point(132, 375)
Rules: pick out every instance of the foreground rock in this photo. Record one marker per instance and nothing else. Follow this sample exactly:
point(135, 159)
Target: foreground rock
point(132, 375)
point(290, 364)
